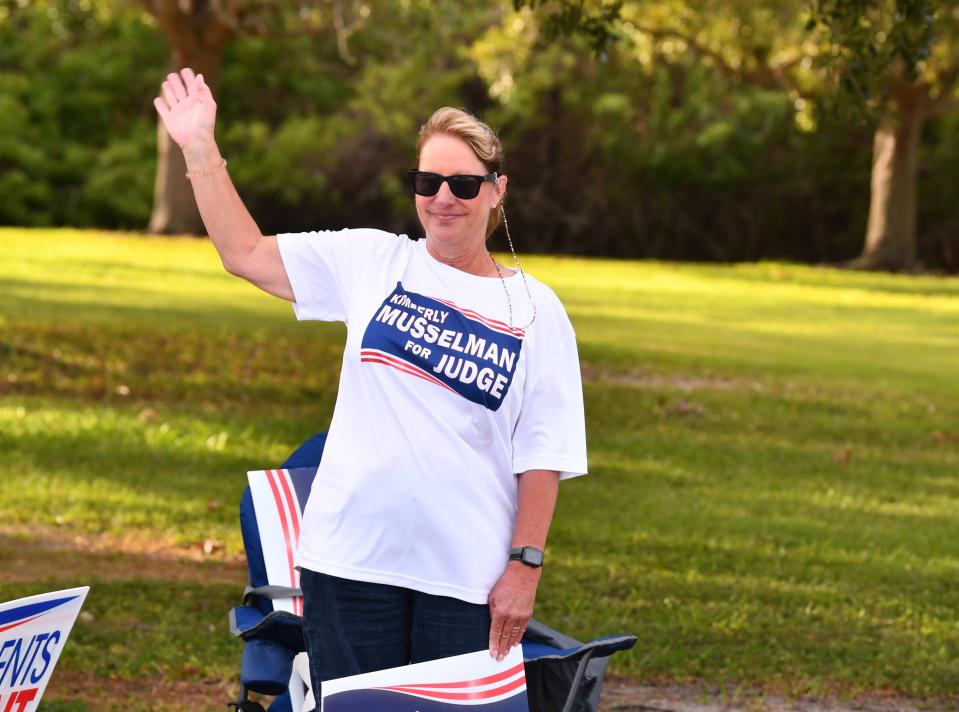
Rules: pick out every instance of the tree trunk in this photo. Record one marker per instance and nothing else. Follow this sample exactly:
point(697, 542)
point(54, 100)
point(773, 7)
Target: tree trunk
point(174, 207)
point(891, 232)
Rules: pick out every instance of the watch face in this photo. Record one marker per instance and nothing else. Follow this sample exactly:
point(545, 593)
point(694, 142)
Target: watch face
point(533, 557)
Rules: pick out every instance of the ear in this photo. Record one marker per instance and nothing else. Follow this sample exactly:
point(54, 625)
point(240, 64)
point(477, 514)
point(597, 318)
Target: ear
point(499, 191)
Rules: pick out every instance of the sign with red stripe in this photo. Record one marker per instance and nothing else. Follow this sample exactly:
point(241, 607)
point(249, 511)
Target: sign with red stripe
point(33, 632)
point(278, 499)
point(475, 681)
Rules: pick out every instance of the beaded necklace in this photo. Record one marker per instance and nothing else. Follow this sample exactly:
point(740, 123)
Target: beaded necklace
point(509, 302)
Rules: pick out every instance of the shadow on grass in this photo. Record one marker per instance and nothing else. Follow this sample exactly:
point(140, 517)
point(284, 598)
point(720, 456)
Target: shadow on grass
point(253, 365)
point(106, 469)
point(53, 300)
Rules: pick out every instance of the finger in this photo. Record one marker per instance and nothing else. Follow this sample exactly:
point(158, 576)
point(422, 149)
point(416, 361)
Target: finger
point(495, 633)
point(176, 84)
point(505, 642)
point(503, 647)
point(517, 630)
point(505, 639)
point(189, 80)
point(161, 107)
point(168, 94)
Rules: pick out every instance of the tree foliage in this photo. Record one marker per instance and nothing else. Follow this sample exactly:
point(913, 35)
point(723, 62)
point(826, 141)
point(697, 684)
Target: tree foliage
point(594, 20)
point(869, 39)
point(895, 61)
point(693, 131)
point(74, 147)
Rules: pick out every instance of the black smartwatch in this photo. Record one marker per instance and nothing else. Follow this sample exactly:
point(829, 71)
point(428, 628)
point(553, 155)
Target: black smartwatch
point(529, 555)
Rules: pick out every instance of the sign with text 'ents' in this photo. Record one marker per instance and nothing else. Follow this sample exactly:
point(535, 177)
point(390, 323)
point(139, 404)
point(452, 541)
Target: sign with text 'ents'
point(33, 632)
point(474, 682)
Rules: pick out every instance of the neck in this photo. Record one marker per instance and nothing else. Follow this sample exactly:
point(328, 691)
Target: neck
point(473, 259)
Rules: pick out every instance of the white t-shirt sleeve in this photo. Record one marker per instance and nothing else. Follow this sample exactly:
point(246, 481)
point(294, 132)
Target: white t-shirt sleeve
point(550, 433)
point(325, 267)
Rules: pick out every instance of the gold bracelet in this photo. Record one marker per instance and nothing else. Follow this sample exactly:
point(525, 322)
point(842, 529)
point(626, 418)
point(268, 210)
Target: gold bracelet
point(206, 171)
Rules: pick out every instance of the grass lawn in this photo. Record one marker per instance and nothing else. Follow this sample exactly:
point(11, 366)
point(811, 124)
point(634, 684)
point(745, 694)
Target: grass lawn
point(773, 501)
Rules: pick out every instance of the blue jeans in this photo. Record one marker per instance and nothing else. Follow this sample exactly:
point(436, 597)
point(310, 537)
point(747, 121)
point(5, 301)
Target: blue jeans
point(351, 627)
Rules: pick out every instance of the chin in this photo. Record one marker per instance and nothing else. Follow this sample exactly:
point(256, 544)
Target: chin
point(450, 232)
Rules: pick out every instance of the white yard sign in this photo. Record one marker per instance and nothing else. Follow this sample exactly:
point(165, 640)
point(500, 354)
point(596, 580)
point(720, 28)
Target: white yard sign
point(474, 682)
point(278, 500)
point(33, 632)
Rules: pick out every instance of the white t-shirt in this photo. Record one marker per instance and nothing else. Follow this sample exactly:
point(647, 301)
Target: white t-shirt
point(441, 403)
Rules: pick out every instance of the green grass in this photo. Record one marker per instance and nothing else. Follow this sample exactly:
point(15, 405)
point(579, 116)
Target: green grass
point(772, 502)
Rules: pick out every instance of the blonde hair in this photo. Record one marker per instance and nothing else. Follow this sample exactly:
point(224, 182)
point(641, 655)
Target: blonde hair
point(477, 135)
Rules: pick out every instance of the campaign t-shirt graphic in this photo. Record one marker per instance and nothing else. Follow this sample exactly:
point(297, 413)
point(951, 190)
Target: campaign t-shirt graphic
point(452, 347)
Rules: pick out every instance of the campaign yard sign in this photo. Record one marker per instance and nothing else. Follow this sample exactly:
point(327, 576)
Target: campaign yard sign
point(33, 632)
point(474, 682)
point(279, 497)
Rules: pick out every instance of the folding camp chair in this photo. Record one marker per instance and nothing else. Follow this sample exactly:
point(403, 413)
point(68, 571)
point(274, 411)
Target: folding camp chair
point(562, 674)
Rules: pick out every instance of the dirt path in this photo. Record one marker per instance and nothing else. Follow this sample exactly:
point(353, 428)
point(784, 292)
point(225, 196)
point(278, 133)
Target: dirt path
point(155, 695)
point(30, 555)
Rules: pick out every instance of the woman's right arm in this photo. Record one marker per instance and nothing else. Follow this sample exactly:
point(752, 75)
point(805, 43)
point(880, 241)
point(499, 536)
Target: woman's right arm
point(189, 114)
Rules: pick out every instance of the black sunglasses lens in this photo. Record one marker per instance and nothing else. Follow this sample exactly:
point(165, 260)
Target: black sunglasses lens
point(465, 187)
point(426, 184)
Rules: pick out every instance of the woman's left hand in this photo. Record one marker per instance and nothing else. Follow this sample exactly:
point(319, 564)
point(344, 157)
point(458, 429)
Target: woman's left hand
point(511, 607)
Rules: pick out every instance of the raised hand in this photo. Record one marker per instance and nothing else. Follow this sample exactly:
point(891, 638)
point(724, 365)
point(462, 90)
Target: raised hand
point(187, 109)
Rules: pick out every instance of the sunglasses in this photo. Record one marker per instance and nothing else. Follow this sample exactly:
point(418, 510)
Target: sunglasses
point(463, 187)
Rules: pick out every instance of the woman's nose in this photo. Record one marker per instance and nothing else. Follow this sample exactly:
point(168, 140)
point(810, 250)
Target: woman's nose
point(444, 194)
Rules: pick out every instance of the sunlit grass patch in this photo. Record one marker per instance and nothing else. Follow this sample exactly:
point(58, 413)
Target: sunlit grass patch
point(772, 499)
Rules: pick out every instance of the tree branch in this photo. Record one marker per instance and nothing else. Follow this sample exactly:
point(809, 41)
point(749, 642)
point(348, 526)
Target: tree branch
point(768, 77)
point(343, 32)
